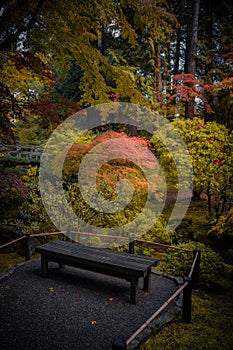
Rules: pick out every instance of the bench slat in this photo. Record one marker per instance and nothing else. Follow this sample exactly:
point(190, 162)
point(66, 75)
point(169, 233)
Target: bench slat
point(124, 265)
point(96, 264)
point(75, 248)
point(96, 255)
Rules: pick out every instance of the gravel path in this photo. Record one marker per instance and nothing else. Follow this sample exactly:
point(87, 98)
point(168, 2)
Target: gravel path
point(72, 309)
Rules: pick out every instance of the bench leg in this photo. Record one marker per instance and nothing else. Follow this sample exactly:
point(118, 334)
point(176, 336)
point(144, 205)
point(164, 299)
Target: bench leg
point(147, 282)
point(44, 266)
point(133, 290)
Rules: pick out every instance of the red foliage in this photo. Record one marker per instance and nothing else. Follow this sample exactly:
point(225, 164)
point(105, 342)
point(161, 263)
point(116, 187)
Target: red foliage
point(54, 108)
point(77, 151)
point(9, 180)
point(114, 97)
point(186, 87)
point(228, 56)
point(218, 162)
point(208, 86)
point(33, 64)
point(185, 79)
point(6, 130)
point(143, 141)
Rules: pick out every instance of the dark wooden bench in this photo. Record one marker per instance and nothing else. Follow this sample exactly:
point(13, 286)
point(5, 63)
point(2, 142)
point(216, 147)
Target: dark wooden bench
point(123, 265)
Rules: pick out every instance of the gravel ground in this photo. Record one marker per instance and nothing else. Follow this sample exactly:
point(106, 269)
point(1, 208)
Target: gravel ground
point(72, 309)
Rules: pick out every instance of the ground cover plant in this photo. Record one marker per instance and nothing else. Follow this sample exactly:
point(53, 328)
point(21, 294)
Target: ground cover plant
point(212, 307)
point(211, 326)
point(212, 316)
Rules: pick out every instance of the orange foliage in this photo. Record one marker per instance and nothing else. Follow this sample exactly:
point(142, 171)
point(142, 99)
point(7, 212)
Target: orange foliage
point(115, 169)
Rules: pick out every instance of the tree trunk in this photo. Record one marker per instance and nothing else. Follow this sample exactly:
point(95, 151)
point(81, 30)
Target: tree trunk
point(209, 34)
point(208, 192)
point(158, 74)
point(103, 40)
point(190, 64)
point(176, 69)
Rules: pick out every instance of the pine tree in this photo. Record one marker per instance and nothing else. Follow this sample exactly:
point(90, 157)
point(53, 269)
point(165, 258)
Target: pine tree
point(191, 45)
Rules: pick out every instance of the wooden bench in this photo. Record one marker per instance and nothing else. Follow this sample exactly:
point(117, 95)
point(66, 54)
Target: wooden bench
point(123, 265)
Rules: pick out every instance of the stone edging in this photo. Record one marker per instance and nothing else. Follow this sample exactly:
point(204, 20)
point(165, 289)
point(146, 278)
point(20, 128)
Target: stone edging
point(154, 327)
point(7, 274)
point(166, 317)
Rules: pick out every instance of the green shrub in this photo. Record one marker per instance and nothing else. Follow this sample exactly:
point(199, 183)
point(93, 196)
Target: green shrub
point(31, 216)
point(221, 232)
point(12, 190)
point(179, 263)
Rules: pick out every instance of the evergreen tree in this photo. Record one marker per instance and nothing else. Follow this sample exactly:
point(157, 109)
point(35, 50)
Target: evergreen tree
point(191, 44)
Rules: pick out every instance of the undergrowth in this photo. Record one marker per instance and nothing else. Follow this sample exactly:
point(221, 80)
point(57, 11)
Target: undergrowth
point(210, 328)
point(212, 312)
point(212, 320)
point(8, 260)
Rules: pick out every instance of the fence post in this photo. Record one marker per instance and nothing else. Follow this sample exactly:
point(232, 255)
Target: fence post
point(187, 301)
point(196, 271)
point(68, 239)
point(119, 344)
point(27, 247)
point(131, 244)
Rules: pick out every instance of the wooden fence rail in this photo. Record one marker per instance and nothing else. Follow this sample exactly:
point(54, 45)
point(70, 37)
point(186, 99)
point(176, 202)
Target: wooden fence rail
point(190, 282)
point(30, 153)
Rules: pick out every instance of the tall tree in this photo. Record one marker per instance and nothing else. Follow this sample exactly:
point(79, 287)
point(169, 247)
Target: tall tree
point(191, 45)
point(38, 37)
point(126, 50)
point(213, 57)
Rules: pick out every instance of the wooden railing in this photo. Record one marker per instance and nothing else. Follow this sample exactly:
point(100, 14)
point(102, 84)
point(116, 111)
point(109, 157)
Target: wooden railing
point(29, 153)
point(190, 281)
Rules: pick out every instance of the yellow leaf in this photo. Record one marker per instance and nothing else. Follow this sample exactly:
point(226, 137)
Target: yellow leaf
point(93, 322)
point(51, 289)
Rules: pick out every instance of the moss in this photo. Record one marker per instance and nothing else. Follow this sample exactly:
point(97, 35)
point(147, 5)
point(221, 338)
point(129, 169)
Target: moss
point(178, 263)
point(197, 213)
point(211, 326)
point(228, 271)
point(8, 260)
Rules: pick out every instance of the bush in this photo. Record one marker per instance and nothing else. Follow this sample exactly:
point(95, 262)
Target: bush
point(31, 216)
point(12, 190)
point(222, 232)
point(156, 232)
point(179, 263)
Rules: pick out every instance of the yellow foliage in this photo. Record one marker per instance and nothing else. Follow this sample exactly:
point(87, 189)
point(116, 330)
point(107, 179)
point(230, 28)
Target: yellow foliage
point(20, 81)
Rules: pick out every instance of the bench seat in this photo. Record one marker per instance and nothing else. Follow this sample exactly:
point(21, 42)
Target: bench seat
point(123, 265)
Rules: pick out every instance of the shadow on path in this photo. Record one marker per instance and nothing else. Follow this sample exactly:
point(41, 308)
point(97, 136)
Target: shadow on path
point(72, 309)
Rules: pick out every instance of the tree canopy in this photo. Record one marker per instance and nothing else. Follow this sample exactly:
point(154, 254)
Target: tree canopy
point(57, 57)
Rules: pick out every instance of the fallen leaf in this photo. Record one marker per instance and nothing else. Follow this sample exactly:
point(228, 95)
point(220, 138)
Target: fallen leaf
point(110, 299)
point(93, 322)
point(51, 289)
